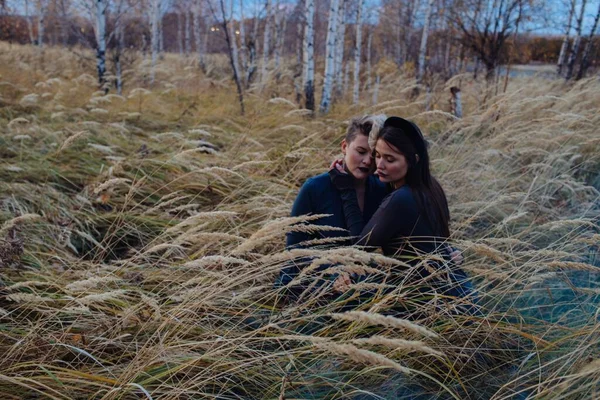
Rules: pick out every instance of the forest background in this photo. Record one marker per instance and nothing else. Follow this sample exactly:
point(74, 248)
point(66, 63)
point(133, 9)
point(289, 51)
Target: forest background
point(148, 163)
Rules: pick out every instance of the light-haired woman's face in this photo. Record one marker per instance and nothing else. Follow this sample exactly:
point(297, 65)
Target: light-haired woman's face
point(357, 157)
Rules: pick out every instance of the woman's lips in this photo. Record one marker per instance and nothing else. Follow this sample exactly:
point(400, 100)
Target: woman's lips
point(380, 174)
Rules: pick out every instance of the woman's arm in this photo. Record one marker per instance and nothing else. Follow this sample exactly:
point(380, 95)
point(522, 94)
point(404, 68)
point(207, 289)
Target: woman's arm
point(303, 205)
point(397, 214)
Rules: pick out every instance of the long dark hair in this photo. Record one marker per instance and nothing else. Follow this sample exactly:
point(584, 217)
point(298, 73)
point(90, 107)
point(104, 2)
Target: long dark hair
point(407, 138)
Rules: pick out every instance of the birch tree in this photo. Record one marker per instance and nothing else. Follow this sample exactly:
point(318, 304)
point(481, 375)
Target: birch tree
point(266, 44)
point(42, 7)
point(179, 32)
point(234, 49)
point(197, 10)
point(226, 23)
point(243, 45)
point(101, 8)
point(330, 51)
point(308, 64)
point(280, 28)
point(340, 41)
point(357, 49)
point(155, 6)
point(28, 18)
point(188, 39)
point(576, 42)
point(565, 42)
point(588, 47)
point(423, 47)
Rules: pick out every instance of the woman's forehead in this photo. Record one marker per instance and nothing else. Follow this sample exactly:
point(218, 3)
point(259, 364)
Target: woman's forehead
point(361, 141)
point(384, 147)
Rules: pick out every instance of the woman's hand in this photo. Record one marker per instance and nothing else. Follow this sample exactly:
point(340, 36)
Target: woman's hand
point(456, 256)
point(341, 179)
point(342, 283)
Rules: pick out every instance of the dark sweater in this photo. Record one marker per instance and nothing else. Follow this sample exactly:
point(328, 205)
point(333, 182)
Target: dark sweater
point(397, 226)
point(319, 196)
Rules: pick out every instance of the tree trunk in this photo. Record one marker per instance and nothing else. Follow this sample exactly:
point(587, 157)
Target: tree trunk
point(576, 43)
point(423, 47)
point(565, 43)
point(280, 27)
point(456, 102)
point(369, 43)
point(588, 48)
point(243, 45)
point(120, 45)
point(357, 49)
point(101, 42)
point(308, 55)
point(41, 18)
point(234, 48)
point(266, 45)
point(376, 90)
point(410, 17)
point(29, 23)
point(339, 55)
point(161, 35)
point(188, 39)
point(179, 33)
point(232, 59)
point(155, 16)
point(330, 51)
point(198, 35)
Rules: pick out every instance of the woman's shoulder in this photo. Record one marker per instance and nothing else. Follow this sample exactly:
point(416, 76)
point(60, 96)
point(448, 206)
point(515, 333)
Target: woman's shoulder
point(318, 183)
point(402, 196)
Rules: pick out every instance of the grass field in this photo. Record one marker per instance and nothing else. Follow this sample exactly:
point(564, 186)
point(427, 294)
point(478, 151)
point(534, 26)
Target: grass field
point(141, 235)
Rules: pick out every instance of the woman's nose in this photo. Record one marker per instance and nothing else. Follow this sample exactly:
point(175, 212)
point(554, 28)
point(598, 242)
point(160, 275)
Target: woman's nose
point(380, 163)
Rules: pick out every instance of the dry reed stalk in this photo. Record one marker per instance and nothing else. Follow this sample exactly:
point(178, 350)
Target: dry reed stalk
point(387, 321)
point(398, 344)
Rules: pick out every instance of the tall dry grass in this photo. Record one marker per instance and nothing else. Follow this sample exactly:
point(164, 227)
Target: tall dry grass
point(142, 234)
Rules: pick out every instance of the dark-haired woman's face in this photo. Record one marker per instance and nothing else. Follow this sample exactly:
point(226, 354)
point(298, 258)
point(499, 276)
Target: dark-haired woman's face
point(357, 157)
point(391, 164)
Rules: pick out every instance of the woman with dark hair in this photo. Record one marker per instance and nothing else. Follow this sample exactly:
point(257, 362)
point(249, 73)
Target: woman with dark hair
point(412, 221)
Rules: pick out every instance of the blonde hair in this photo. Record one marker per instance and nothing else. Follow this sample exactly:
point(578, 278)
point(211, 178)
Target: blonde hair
point(367, 125)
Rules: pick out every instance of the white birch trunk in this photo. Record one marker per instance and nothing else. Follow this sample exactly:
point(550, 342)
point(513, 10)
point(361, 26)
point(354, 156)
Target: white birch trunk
point(188, 41)
point(588, 47)
point(330, 51)
point(278, 22)
point(29, 23)
point(243, 45)
point(308, 64)
point(565, 44)
point(281, 26)
point(154, 20)
point(234, 47)
point(369, 42)
point(357, 49)
point(340, 41)
point(576, 43)
point(198, 35)
point(42, 7)
point(423, 47)
point(101, 40)
point(266, 45)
